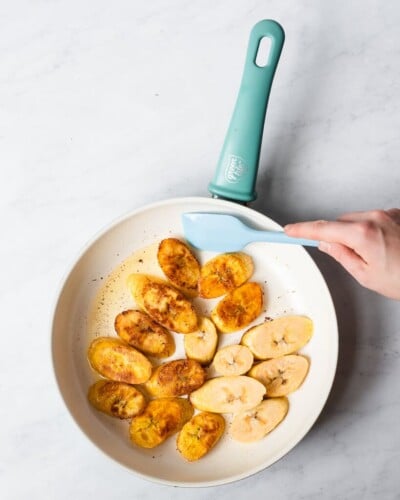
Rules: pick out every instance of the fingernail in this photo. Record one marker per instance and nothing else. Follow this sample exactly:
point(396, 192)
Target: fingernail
point(288, 227)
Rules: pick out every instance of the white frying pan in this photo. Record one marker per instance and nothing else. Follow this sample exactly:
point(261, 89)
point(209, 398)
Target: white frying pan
point(292, 285)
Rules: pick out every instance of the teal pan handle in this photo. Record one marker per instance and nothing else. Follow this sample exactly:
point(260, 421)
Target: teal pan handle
point(236, 172)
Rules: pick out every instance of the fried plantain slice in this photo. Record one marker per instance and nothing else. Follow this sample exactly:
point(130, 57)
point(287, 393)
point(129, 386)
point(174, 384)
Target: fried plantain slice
point(116, 399)
point(176, 378)
point(140, 331)
point(179, 265)
point(238, 308)
point(163, 303)
point(199, 435)
point(160, 419)
point(224, 273)
point(115, 360)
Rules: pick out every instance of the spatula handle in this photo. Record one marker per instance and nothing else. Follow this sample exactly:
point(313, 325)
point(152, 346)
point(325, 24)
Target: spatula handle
point(236, 172)
point(279, 237)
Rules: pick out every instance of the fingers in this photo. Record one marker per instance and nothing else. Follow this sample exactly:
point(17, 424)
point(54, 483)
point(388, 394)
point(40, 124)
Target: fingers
point(334, 232)
point(394, 213)
point(349, 259)
point(355, 216)
point(378, 216)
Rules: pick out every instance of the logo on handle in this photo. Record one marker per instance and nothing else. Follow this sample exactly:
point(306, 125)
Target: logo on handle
point(235, 169)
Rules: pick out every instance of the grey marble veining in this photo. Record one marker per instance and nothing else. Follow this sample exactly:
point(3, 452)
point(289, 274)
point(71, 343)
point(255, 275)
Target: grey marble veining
point(105, 106)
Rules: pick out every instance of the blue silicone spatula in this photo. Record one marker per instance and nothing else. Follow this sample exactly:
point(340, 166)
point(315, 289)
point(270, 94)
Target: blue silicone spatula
point(219, 232)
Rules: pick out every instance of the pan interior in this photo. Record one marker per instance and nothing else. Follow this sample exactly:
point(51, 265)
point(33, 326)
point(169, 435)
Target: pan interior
point(292, 285)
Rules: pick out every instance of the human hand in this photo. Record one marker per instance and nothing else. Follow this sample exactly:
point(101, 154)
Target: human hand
point(367, 244)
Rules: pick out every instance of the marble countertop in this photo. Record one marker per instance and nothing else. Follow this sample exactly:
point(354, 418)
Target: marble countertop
point(106, 106)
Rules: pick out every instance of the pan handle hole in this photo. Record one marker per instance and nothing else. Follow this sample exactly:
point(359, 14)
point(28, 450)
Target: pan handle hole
point(263, 51)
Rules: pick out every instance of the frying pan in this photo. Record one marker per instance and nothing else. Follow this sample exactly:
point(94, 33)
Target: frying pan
point(292, 284)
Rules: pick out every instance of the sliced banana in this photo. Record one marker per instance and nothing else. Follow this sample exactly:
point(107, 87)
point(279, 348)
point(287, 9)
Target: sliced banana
point(163, 303)
point(238, 308)
point(252, 425)
point(233, 360)
point(228, 394)
point(278, 337)
point(281, 376)
point(224, 273)
point(201, 345)
point(179, 265)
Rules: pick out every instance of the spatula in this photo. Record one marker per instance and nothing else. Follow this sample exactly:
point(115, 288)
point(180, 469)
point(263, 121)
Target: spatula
point(226, 233)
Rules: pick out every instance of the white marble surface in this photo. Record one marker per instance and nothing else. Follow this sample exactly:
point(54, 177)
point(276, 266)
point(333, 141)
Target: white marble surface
point(105, 106)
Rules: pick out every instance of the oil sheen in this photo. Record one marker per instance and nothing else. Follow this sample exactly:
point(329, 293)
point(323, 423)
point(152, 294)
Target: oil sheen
point(114, 296)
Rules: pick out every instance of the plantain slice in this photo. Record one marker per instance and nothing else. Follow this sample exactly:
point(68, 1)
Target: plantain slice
point(176, 378)
point(278, 337)
point(228, 394)
point(117, 361)
point(163, 303)
point(199, 435)
point(201, 345)
point(281, 376)
point(238, 308)
point(233, 360)
point(160, 419)
point(179, 265)
point(252, 425)
point(224, 273)
point(140, 331)
point(116, 399)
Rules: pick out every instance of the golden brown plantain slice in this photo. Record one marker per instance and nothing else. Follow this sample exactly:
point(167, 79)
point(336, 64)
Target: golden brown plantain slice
point(252, 425)
point(238, 308)
point(117, 361)
point(116, 399)
point(140, 331)
point(201, 345)
point(163, 303)
point(224, 273)
point(199, 435)
point(160, 419)
point(179, 265)
point(281, 376)
point(176, 378)
point(278, 337)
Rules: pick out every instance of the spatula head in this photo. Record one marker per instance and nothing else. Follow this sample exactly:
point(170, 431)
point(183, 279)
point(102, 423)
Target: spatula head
point(215, 232)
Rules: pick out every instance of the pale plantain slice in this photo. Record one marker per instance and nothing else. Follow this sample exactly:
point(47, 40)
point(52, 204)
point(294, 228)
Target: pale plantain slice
point(179, 265)
point(228, 394)
point(117, 361)
point(163, 303)
point(252, 425)
point(160, 419)
point(233, 360)
point(176, 378)
point(224, 273)
point(201, 345)
point(116, 399)
point(278, 337)
point(281, 376)
point(238, 308)
point(199, 435)
point(140, 331)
